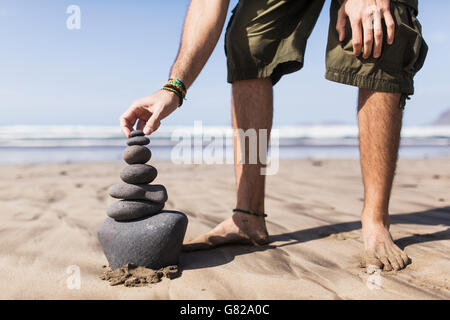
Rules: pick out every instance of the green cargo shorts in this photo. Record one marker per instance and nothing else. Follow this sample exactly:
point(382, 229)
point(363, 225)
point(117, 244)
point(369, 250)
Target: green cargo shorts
point(267, 38)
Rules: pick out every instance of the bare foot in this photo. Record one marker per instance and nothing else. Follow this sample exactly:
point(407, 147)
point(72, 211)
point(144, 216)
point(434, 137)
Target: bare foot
point(380, 250)
point(240, 228)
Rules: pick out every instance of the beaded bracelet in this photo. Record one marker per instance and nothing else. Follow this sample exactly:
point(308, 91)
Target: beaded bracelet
point(176, 86)
point(250, 212)
point(179, 82)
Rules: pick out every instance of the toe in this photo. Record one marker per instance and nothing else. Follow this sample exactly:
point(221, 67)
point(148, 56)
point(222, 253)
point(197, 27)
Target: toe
point(400, 261)
point(404, 257)
point(386, 264)
point(393, 262)
point(199, 243)
point(383, 257)
point(401, 255)
point(258, 241)
point(394, 258)
point(369, 260)
point(398, 257)
point(188, 247)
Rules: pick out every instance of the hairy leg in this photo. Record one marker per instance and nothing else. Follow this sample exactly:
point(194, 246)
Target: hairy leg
point(252, 109)
point(380, 121)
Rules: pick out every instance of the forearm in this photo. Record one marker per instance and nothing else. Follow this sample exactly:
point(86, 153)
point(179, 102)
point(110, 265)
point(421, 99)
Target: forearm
point(202, 28)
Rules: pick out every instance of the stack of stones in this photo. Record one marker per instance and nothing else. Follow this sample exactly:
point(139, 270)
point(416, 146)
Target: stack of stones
point(137, 229)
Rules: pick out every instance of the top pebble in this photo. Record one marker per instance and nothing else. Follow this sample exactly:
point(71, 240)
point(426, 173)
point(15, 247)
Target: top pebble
point(136, 133)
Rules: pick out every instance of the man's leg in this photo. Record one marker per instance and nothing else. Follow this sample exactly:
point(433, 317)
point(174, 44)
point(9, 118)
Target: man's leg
point(252, 109)
point(380, 121)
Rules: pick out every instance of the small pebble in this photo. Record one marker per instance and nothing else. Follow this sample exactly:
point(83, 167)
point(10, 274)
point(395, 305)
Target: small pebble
point(133, 209)
point(140, 141)
point(138, 174)
point(136, 155)
point(155, 192)
point(136, 133)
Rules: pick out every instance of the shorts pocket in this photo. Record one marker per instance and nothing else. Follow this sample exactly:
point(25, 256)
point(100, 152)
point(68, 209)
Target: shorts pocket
point(421, 57)
point(400, 56)
point(408, 52)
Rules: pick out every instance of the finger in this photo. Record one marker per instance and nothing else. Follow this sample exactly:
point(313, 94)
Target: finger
point(390, 26)
point(140, 124)
point(341, 23)
point(356, 36)
point(125, 130)
point(378, 34)
point(152, 124)
point(127, 121)
point(368, 37)
point(133, 113)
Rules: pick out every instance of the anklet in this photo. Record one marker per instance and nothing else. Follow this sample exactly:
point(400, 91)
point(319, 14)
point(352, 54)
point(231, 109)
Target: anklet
point(250, 212)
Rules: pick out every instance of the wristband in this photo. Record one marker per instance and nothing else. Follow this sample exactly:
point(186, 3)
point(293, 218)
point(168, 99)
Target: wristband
point(176, 86)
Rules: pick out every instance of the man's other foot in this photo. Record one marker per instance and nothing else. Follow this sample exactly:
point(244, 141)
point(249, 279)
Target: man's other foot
point(380, 250)
point(241, 228)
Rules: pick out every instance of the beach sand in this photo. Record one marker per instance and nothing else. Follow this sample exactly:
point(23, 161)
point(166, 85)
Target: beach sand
point(50, 214)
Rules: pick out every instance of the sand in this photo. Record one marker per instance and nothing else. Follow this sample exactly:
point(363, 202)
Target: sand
point(131, 275)
point(50, 214)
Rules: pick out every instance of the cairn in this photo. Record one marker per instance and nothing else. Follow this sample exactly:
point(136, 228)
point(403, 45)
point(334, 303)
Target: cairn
point(137, 229)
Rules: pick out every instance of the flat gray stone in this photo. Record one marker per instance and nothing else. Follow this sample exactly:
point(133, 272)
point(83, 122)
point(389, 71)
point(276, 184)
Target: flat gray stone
point(136, 155)
point(138, 141)
point(153, 192)
point(133, 209)
point(154, 242)
point(136, 133)
point(138, 174)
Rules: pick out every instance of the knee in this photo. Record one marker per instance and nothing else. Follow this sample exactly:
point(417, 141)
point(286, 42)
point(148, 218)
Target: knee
point(256, 84)
point(379, 99)
point(365, 94)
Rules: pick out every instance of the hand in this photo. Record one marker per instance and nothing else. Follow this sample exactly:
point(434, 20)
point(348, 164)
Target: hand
point(368, 14)
point(148, 112)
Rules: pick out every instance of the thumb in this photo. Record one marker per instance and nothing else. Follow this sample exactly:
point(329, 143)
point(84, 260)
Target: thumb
point(152, 124)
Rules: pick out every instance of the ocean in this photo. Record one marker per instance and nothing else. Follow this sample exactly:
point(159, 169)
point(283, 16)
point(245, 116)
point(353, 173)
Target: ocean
point(40, 144)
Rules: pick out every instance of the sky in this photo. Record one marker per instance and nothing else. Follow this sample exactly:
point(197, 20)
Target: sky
point(51, 75)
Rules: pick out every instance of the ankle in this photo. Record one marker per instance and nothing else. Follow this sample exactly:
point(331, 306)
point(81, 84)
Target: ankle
point(371, 217)
point(248, 218)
